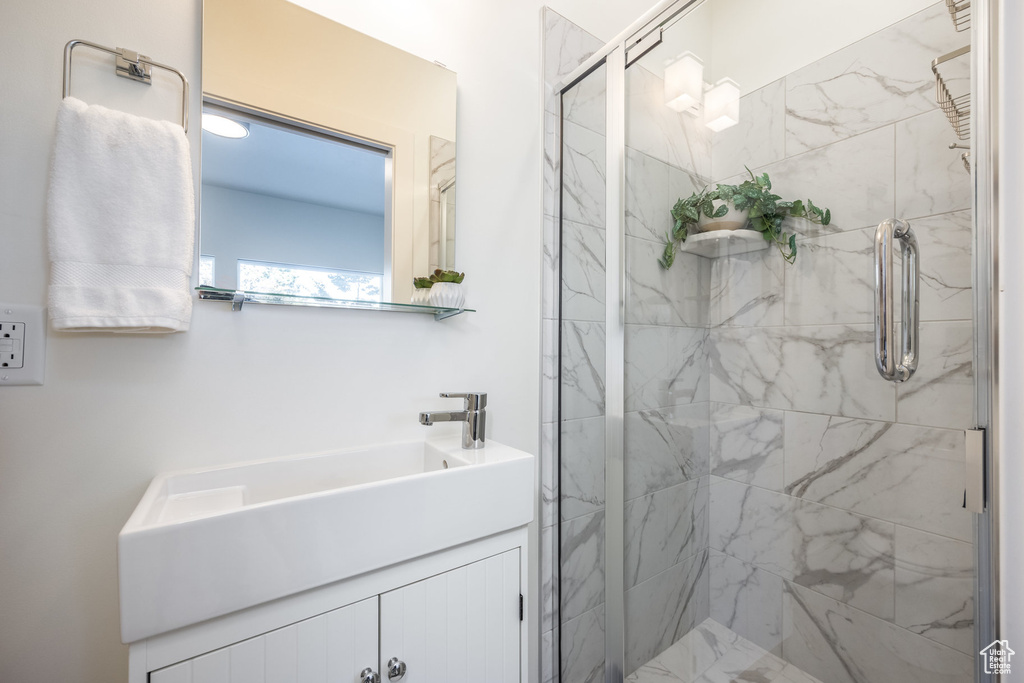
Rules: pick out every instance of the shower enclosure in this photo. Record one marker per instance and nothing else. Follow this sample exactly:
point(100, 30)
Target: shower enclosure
point(733, 492)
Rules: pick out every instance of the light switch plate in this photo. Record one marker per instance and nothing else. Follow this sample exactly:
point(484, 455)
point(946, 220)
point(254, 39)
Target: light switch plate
point(22, 344)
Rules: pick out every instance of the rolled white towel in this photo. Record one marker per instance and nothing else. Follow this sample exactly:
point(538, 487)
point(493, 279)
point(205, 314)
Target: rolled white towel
point(121, 214)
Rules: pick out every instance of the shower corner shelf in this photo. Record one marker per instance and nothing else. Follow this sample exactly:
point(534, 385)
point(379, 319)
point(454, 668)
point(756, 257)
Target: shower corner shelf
point(724, 243)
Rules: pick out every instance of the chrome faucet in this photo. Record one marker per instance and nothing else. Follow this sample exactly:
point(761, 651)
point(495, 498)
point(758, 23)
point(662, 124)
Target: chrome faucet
point(473, 418)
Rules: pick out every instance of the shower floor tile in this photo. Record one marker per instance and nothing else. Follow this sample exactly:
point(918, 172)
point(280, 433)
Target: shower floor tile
point(711, 653)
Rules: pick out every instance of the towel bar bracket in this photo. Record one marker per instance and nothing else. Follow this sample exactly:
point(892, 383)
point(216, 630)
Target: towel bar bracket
point(130, 64)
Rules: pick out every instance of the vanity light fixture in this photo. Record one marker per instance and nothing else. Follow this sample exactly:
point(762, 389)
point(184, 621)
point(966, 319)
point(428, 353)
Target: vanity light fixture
point(684, 83)
point(225, 127)
point(722, 105)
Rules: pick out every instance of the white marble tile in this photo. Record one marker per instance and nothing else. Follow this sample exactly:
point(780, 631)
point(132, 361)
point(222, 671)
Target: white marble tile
point(833, 279)
point(548, 473)
point(758, 139)
point(548, 584)
point(585, 103)
point(583, 175)
point(744, 662)
point(829, 369)
point(836, 553)
point(582, 466)
point(552, 162)
point(935, 588)
point(904, 474)
point(566, 46)
point(838, 644)
point(875, 81)
point(747, 289)
point(852, 178)
point(941, 392)
point(748, 600)
point(653, 672)
point(549, 378)
point(583, 274)
point(945, 260)
point(550, 294)
point(664, 447)
point(548, 657)
point(583, 648)
point(582, 558)
point(746, 445)
point(664, 528)
point(698, 650)
point(582, 370)
point(665, 366)
point(655, 296)
point(930, 177)
point(792, 674)
point(660, 610)
point(651, 127)
point(648, 203)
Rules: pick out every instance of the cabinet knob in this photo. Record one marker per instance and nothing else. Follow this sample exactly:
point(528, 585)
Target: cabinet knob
point(396, 669)
point(368, 675)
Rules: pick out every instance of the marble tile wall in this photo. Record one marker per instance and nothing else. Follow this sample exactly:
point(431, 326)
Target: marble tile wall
point(572, 611)
point(837, 536)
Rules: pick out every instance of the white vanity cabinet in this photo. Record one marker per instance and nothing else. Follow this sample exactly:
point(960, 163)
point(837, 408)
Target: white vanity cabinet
point(331, 647)
point(462, 624)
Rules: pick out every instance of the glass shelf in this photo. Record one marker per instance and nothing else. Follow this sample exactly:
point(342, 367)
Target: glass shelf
point(239, 297)
point(723, 243)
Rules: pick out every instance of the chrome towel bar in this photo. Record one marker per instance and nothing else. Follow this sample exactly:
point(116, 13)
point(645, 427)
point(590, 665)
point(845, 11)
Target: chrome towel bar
point(885, 358)
point(128, 64)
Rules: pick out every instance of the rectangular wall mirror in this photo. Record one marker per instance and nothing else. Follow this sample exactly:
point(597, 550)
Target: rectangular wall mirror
point(328, 158)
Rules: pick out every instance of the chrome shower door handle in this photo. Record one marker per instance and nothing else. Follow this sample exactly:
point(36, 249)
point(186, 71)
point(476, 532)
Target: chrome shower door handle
point(885, 334)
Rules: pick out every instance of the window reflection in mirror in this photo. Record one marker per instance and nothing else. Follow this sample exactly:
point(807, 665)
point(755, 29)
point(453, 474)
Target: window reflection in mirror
point(294, 210)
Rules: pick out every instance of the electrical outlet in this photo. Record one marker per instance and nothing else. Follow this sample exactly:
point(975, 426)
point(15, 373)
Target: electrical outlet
point(22, 344)
point(12, 343)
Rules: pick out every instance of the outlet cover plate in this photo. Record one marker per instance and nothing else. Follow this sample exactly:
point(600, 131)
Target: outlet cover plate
point(33, 349)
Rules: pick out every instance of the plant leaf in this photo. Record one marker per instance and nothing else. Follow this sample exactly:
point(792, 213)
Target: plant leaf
point(721, 211)
point(668, 256)
point(827, 218)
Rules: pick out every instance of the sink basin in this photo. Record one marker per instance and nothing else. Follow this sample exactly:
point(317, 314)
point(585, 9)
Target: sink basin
point(204, 543)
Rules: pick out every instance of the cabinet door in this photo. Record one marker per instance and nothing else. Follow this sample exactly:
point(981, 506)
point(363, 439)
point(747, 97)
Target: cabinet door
point(330, 648)
point(460, 626)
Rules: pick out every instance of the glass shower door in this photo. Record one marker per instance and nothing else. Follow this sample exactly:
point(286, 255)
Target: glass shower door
point(580, 617)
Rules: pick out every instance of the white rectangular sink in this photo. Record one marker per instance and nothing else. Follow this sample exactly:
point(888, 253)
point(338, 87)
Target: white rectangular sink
point(204, 543)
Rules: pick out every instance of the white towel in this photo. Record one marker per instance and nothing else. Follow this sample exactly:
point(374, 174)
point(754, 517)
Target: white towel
point(121, 215)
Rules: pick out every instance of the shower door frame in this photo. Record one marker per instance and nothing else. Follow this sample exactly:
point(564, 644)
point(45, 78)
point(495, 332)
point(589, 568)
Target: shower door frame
point(984, 177)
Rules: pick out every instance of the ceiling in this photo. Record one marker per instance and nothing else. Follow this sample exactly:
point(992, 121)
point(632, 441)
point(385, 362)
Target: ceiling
point(281, 162)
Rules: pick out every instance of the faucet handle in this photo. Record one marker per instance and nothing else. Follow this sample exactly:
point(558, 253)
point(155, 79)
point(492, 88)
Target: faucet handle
point(475, 400)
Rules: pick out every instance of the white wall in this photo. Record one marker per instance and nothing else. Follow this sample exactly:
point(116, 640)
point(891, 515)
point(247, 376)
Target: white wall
point(259, 227)
point(77, 453)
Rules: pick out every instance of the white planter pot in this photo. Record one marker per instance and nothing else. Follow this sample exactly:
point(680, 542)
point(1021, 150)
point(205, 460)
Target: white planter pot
point(447, 295)
point(421, 297)
point(734, 219)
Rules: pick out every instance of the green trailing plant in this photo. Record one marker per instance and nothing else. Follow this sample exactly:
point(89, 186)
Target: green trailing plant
point(768, 213)
point(438, 276)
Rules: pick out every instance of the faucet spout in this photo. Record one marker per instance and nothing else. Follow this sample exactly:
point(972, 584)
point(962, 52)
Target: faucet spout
point(456, 416)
